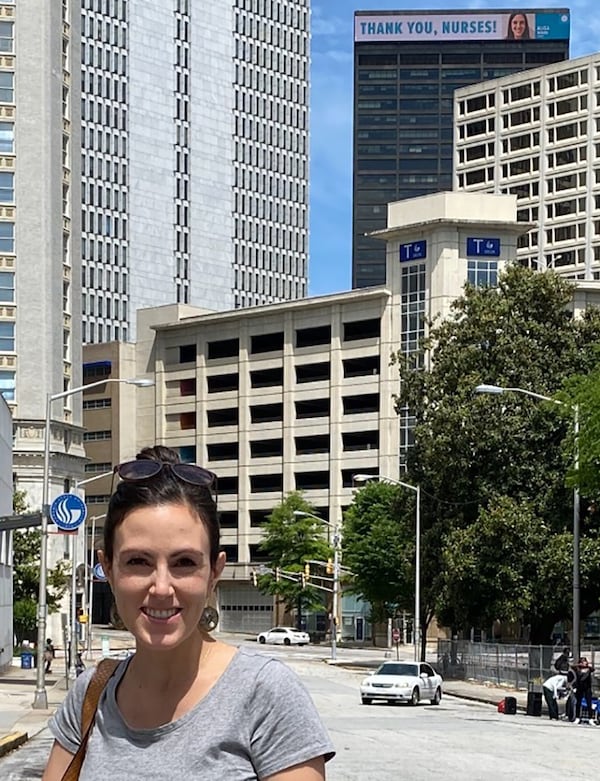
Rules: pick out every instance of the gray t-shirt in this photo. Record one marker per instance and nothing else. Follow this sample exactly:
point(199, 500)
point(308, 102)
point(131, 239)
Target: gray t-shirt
point(257, 720)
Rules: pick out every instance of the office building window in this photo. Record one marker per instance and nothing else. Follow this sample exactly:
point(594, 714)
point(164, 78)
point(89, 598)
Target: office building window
point(482, 273)
point(7, 237)
point(7, 137)
point(7, 286)
point(7, 385)
point(7, 36)
point(7, 337)
point(7, 87)
point(7, 188)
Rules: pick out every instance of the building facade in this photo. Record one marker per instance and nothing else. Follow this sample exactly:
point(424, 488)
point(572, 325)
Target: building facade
point(6, 548)
point(406, 68)
point(537, 135)
point(195, 156)
point(40, 250)
point(300, 396)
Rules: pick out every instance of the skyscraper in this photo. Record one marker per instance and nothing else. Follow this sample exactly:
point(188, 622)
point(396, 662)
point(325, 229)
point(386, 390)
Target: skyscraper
point(151, 152)
point(195, 156)
point(406, 68)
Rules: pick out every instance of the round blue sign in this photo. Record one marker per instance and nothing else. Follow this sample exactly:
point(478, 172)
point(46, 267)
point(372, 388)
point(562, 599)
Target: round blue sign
point(68, 512)
point(99, 573)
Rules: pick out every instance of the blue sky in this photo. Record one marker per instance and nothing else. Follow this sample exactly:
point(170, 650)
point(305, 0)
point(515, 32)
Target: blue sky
point(331, 119)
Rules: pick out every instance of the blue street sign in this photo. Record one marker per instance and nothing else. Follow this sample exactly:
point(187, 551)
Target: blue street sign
point(99, 573)
point(416, 250)
point(68, 512)
point(483, 247)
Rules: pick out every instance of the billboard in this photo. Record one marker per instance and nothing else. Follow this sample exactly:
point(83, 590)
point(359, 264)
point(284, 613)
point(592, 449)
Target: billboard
point(522, 25)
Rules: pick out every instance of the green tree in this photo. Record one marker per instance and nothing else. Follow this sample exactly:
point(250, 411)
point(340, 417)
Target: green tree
point(470, 450)
point(584, 391)
point(379, 548)
point(26, 577)
point(289, 542)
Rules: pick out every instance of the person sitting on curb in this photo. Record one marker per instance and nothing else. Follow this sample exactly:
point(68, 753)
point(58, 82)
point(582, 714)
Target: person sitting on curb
point(554, 688)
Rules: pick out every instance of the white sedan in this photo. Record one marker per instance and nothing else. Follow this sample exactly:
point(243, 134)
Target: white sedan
point(284, 635)
point(402, 682)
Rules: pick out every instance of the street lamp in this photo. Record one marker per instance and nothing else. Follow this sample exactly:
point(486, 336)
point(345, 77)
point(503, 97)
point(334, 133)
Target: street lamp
point(337, 553)
point(73, 643)
point(360, 478)
point(497, 389)
point(40, 700)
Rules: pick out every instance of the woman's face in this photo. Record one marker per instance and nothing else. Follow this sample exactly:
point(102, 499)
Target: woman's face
point(518, 26)
point(160, 573)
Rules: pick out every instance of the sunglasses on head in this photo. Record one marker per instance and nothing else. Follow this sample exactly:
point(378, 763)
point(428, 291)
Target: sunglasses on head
point(144, 469)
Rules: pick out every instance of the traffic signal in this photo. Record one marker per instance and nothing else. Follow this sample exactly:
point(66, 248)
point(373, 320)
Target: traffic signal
point(329, 567)
point(253, 577)
point(277, 574)
point(307, 571)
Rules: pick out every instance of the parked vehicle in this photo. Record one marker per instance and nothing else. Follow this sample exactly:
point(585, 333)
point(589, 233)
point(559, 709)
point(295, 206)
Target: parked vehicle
point(284, 635)
point(408, 682)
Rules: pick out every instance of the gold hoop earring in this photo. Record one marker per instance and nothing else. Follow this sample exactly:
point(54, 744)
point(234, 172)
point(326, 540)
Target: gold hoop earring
point(209, 619)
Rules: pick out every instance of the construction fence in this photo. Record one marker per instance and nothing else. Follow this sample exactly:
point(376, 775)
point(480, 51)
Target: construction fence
point(502, 663)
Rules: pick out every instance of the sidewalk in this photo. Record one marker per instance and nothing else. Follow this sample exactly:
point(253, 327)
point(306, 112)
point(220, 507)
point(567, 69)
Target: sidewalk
point(19, 721)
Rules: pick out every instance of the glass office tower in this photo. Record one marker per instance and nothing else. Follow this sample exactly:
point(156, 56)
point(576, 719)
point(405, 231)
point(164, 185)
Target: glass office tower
point(406, 68)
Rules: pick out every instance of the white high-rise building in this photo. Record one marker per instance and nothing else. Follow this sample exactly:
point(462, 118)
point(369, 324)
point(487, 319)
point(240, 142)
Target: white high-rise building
point(536, 135)
point(195, 156)
point(151, 152)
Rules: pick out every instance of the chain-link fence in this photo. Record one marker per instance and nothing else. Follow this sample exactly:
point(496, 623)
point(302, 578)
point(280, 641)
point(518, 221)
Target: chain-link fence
point(501, 663)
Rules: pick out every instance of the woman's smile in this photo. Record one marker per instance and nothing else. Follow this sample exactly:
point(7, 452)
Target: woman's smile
point(161, 615)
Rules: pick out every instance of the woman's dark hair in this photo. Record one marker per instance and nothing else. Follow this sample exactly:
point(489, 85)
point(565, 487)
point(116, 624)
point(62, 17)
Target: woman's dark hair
point(510, 33)
point(163, 488)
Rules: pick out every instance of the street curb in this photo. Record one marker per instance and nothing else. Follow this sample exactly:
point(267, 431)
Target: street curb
point(12, 741)
point(475, 698)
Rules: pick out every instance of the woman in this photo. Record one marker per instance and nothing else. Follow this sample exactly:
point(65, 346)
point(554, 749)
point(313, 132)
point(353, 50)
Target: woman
point(518, 27)
point(184, 705)
point(583, 686)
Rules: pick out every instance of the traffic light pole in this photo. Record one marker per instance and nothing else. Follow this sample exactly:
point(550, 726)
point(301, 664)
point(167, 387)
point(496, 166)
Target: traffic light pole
point(336, 587)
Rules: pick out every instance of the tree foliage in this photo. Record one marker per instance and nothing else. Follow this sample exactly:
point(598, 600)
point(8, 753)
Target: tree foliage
point(289, 542)
point(379, 548)
point(471, 450)
point(26, 577)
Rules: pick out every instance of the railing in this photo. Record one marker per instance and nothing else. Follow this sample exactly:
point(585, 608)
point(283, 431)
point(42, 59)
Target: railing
point(501, 663)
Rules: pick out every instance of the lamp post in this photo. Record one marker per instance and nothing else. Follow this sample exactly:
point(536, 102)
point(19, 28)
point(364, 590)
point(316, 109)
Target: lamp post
point(337, 553)
point(90, 586)
point(497, 389)
point(363, 478)
point(40, 701)
point(73, 643)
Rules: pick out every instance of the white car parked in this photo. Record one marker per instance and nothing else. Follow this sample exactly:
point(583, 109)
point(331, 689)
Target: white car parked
point(402, 682)
point(284, 635)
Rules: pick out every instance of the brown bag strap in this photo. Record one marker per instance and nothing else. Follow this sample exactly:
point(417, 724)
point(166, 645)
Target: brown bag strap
point(104, 672)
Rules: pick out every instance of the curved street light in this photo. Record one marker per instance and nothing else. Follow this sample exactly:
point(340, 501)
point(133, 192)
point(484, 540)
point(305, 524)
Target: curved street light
point(363, 478)
point(498, 389)
point(40, 700)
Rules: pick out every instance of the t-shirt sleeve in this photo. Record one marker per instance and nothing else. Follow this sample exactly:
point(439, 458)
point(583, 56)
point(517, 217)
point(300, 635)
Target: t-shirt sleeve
point(286, 728)
point(65, 724)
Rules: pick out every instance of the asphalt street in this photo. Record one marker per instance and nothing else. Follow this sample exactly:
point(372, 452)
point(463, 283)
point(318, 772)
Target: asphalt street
point(456, 740)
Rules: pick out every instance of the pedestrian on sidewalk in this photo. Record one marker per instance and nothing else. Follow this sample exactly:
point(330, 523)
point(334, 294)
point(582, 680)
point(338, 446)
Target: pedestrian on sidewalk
point(49, 654)
point(583, 688)
point(562, 662)
point(185, 705)
point(554, 688)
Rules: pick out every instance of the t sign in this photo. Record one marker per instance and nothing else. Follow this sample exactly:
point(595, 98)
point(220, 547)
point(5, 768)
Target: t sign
point(416, 250)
